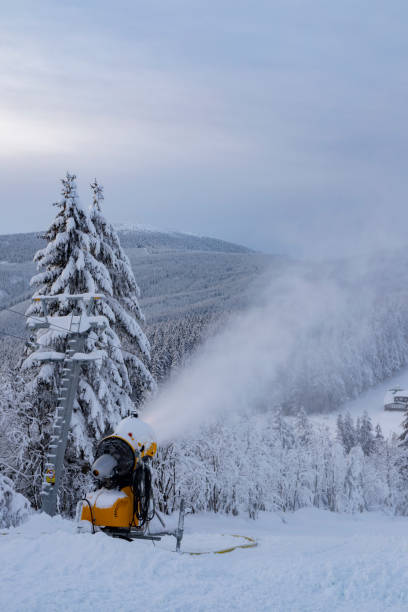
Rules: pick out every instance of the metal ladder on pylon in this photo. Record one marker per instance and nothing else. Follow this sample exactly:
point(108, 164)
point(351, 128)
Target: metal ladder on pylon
point(62, 420)
point(71, 363)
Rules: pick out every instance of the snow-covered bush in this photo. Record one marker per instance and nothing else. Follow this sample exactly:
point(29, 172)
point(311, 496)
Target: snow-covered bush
point(269, 462)
point(14, 507)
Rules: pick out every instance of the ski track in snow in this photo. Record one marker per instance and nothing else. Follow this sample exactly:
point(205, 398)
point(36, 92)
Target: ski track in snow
point(372, 401)
point(316, 561)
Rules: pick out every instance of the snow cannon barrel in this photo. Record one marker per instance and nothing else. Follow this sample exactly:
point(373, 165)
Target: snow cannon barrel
point(104, 467)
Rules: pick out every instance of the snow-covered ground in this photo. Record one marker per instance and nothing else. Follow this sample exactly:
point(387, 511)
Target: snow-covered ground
point(373, 402)
point(315, 561)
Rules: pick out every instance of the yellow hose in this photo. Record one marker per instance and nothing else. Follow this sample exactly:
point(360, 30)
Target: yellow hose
point(251, 544)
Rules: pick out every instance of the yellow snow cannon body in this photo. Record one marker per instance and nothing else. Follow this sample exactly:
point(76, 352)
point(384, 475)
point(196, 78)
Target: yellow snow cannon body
point(123, 505)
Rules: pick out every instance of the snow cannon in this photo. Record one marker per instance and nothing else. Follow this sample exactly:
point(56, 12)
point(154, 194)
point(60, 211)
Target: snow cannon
point(123, 503)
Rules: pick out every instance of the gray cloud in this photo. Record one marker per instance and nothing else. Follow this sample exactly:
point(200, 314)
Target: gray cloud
point(278, 124)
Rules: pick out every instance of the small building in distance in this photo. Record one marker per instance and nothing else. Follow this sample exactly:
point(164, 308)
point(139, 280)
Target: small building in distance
point(396, 399)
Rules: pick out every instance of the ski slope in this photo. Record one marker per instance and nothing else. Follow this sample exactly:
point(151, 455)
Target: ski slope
point(315, 561)
point(372, 401)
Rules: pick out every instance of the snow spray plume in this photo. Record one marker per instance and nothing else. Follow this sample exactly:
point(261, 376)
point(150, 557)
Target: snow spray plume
point(237, 370)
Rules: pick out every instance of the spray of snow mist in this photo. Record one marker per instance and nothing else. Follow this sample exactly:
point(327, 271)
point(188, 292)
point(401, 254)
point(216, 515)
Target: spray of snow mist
point(238, 370)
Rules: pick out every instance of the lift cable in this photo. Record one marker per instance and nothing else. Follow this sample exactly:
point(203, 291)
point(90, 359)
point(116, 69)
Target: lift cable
point(3, 333)
point(59, 327)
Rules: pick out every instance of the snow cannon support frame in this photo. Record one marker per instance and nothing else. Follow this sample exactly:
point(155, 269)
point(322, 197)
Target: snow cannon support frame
point(136, 534)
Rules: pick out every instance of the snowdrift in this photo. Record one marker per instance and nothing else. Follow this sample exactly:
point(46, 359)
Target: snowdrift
point(14, 507)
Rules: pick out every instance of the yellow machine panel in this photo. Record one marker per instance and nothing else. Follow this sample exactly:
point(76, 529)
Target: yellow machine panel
point(118, 514)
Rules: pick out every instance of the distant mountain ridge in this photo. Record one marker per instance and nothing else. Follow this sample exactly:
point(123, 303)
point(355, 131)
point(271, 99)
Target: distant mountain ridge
point(157, 240)
point(19, 248)
point(165, 264)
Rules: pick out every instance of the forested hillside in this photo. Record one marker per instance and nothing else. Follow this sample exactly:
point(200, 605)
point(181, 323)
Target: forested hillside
point(186, 283)
point(158, 255)
point(359, 340)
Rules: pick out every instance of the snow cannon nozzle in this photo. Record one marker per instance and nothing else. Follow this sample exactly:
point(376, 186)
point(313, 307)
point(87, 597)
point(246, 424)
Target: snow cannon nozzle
point(104, 467)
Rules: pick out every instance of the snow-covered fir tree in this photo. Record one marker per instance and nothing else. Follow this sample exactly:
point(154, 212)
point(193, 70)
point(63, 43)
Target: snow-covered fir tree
point(365, 434)
point(282, 429)
point(379, 438)
point(68, 265)
point(404, 434)
point(303, 428)
point(354, 481)
point(122, 308)
point(346, 432)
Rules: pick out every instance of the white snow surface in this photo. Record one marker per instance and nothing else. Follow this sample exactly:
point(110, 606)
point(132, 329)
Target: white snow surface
point(105, 498)
point(315, 561)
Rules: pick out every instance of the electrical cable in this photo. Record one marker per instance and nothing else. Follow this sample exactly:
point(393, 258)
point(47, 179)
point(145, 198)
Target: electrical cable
point(142, 494)
point(59, 327)
point(55, 326)
point(13, 335)
point(36, 318)
point(90, 510)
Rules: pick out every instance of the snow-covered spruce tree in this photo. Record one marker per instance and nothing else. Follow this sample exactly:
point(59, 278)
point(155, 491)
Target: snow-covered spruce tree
point(67, 266)
point(346, 434)
point(404, 435)
point(365, 434)
point(122, 308)
point(354, 481)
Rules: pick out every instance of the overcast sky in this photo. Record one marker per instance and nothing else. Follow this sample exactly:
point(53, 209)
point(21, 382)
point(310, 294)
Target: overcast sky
point(279, 124)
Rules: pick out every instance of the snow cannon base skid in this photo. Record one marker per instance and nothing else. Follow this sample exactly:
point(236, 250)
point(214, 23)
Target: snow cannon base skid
point(87, 522)
point(123, 506)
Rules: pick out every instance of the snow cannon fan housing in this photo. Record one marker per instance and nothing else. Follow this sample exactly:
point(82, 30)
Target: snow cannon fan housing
point(121, 470)
point(117, 455)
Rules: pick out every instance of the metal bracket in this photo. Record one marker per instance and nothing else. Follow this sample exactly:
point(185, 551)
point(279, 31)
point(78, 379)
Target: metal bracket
point(177, 533)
